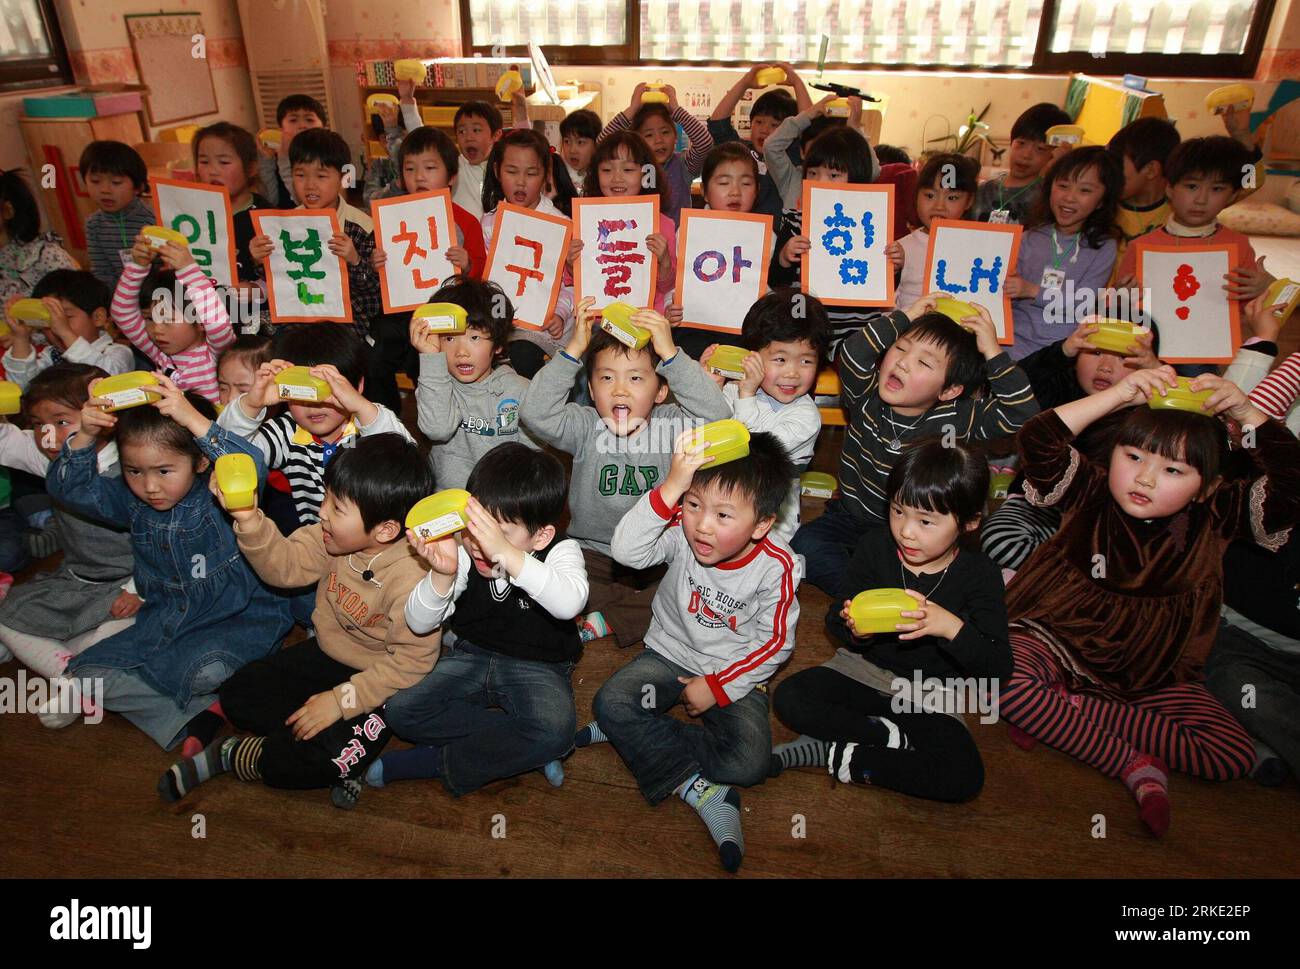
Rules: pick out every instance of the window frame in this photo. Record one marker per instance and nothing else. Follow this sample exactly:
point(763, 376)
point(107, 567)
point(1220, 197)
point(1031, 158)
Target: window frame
point(33, 73)
point(1241, 65)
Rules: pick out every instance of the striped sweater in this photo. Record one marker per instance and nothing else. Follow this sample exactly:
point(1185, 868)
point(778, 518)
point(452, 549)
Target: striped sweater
point(298, 454)
point(109, 234)
point(732, 623)
point(868, 457)
point(193, 369)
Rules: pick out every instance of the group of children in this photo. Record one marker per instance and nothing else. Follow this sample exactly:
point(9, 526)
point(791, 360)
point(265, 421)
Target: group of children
point(174, 602)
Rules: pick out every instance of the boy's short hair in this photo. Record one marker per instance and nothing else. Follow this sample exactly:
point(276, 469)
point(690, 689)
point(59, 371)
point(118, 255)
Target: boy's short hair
point(728, 151)
point(818, 127)
point(25, 224)
point(777, 105)
point(240, 139)
point(486, 306)
point(521, 485)
point(64, 383)
point(763, 477)
point(602, 341)
point(772, 319)
point(947, 480)
point(313, 344)
point(80, 288)
point(842, 149)
point(382, 474)
point(892, 155)
point(1144, 141)
point(965, 362)
point(299, 102)
point(583, 124)
point(114, 158)
point(427, 138)
point(253, 348)
point(479, 109)
point(319, 145)
point(1034, 121)
point(1217, 157)
point(148, 424)
point(965, 171)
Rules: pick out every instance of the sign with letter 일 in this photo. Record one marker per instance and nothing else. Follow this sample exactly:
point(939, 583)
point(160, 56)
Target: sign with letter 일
point(527, 261)
point(971, 261)
point(201, 213)
point(615, 264)
point(306, 283)
point(722, 261)
point(1198, 321)
point(415, 232)
point(848, 227)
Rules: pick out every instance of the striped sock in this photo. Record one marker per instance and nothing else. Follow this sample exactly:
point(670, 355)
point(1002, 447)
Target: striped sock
point(406, 765)
point(803, 751)
point(1147, 779)
point(246, 758)
point(590, 734)
point(189, 772)
point(719, 806)
point(344, 794)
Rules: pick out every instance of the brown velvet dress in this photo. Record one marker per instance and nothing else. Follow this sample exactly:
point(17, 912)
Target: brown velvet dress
point(1129, 606)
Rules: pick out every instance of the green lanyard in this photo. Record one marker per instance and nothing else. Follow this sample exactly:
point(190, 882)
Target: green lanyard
point(1061, 253)
point(1002, 204)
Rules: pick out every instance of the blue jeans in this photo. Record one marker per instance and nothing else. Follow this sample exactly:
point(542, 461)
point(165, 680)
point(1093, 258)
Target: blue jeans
point(827, 545)
point(494, 716)
point(728, 745)
point(155, 713)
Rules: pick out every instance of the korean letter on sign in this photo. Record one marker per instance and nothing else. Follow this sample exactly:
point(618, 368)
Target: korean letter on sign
point(306, 283)
point(527, 261)
point(415, 231)
point(201, 213)
point(1182, 288)
point(849, 227)
point(615, 264)
point(722, 260)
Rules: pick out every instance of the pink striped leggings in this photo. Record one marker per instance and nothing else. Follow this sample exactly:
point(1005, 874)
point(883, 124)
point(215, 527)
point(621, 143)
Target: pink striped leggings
point(1183, 724)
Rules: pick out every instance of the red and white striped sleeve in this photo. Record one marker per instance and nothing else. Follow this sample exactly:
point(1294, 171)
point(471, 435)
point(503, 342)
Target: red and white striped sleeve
point(1275, 394)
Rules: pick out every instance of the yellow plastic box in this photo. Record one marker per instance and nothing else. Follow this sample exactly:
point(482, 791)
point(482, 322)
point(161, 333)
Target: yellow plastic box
point(1064, 134)
point(409, 69)
point(373, 102)
point(159, 235)
point(1221, 99)
point(616, 320)
point(955, 309)
point(270, 138)
point(1181, 397)
point(438, 515)
point(1287, 293)
point(30, 311)
point(297, 383)
point(1115, 335)
point(729, 361)
point(727, 439)
point(770, 75)
point(652, 94)
point(507, 84)
point(11, 397)
point(818, 484)
point(442, 318)
point(237, 479)
point(880, 610)
point(127, 390)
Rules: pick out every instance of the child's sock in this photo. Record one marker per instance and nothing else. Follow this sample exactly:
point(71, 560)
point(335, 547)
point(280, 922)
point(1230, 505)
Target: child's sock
point(344, 794)
point(803, 751)
point(202, 729)
point(719, 806)
point(554, 773)
point(1147, 778)
point(841, 755)
point(189, 772)
point(593, 627)
point(590, 734)
point(405, 765)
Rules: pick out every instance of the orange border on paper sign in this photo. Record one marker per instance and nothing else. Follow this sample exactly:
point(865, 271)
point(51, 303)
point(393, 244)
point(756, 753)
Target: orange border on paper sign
point(579, 204)
point(501, 210)
point(1015, 231)
point(712, 215)
point(376, 214)
point(1233, 252)
point(199, 187)
point(804, 260)
point(260, 214)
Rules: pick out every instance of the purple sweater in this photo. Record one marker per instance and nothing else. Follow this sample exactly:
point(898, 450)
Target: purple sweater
point(1035, 324)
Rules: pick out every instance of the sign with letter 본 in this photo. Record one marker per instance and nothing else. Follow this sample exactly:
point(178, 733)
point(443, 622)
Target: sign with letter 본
point(527, 260)
point(615, 264)
point(722, 260)
point(971, 262)
point(201, 213)
point(848, 227)
point(306, 283)
point(415, 232)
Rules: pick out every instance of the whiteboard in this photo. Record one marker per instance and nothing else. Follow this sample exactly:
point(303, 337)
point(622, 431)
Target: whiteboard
point(180, 84)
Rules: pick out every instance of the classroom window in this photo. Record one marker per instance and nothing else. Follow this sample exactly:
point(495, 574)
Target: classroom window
point(1152, 37)
point(31, 47)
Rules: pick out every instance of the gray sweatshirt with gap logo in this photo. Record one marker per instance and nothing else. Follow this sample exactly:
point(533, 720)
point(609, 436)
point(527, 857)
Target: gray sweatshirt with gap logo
point(611, 472)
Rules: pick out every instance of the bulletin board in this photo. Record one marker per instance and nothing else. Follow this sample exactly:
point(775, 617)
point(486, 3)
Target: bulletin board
point(180, 84)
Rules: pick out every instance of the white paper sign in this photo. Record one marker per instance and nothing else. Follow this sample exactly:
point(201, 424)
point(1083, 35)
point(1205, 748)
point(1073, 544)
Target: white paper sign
point(1183, 292)
point(849, 227)
point(527, 261)
point(615, 265)
point(201, 213)
point(722, 260)
point(306, 282)
point(971, 261)
point(415, 232)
